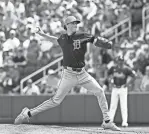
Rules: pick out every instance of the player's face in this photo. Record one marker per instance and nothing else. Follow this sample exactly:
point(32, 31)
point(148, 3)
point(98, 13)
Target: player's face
point(72, 26)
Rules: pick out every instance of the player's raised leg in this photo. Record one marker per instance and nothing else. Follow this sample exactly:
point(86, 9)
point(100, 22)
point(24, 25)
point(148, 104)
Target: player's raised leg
point(67, 81)
point(92, 85)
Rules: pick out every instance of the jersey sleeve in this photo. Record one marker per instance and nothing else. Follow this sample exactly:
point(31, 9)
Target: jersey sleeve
point(85, 38)
point(60, 40)
point(89, 37)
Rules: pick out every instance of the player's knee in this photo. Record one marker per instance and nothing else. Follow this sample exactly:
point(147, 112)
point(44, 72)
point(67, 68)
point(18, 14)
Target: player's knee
point(56, 101)
point(99, 91)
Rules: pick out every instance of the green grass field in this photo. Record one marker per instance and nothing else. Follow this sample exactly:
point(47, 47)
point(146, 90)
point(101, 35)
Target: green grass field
point(57, 129)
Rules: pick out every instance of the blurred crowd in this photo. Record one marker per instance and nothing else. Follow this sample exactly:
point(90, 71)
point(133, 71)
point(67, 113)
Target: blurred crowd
point(23, 52)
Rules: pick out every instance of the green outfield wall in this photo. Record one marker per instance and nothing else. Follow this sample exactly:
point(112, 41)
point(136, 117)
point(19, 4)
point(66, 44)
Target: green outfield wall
point(74, 109)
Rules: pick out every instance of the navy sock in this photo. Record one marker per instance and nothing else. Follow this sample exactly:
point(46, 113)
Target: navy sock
point(29, 114)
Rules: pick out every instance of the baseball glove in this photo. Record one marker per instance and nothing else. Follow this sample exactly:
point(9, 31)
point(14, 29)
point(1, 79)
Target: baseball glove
point(104, 43)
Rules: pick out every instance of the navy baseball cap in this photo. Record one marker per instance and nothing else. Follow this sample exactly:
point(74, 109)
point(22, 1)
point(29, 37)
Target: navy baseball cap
point(71, 19)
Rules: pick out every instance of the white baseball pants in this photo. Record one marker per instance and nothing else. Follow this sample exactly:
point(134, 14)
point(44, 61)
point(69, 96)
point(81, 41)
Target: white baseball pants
point(68, 80)
point(116, 95)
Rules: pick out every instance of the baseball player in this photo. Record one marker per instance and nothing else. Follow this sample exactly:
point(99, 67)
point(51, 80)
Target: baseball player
point(121, 77)
point(73, 45)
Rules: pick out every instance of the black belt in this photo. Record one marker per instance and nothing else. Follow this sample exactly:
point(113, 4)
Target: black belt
point(73, 69)
point(120, 86)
